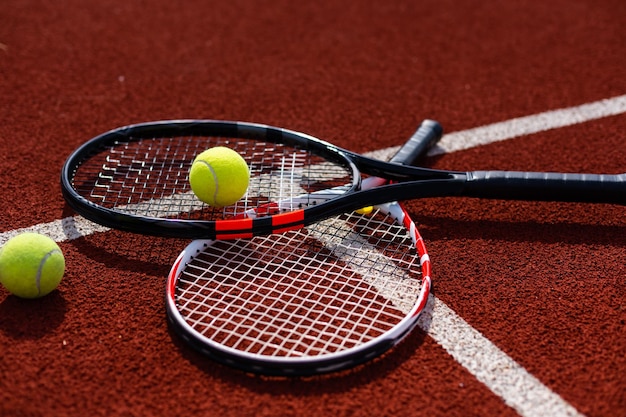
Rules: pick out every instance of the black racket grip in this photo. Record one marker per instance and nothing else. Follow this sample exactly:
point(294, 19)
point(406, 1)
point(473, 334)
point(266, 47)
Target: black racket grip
point(544, 186)
point(422, 140)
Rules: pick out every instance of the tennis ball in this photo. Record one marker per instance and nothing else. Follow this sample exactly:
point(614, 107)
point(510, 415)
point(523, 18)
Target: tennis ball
point(365, 210)
point(219, 176)
point(31, 265)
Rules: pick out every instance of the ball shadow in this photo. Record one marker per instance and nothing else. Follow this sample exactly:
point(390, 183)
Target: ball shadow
point(32, 318)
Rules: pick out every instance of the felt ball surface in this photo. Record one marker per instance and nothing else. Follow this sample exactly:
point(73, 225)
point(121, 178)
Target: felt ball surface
point(31, 265)
point(219, 176)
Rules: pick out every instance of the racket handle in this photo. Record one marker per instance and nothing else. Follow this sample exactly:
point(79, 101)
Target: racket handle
point(413, 149)
point(422, 140)
point(543, 186)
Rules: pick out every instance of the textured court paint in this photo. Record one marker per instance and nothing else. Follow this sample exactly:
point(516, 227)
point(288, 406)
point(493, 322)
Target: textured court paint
point(500, 373)
point(69, 228)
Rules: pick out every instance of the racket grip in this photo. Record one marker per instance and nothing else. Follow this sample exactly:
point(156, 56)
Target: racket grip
point(422, 140)
point(539, 186)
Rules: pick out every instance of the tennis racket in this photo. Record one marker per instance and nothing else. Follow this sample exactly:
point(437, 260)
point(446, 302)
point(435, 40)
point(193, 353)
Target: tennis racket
point(135, 178)
point(322, 298)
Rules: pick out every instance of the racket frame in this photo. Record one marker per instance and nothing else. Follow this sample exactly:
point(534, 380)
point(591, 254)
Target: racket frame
point(407, 182)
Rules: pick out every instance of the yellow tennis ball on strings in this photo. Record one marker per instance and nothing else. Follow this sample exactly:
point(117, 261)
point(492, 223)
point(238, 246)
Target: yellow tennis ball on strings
point(365, 210)
point(219, 176)
point(31, 265)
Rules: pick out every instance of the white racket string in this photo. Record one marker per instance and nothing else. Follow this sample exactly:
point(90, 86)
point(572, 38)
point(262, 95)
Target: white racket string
point(149, 177)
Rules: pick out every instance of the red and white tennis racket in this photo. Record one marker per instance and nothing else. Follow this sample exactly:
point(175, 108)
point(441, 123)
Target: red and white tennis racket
point(322, 298)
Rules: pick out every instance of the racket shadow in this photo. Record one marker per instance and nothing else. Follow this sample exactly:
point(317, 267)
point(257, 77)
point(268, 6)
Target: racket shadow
point(440, 228)
point(339, 381)
point(116, 249)
point(16, 312)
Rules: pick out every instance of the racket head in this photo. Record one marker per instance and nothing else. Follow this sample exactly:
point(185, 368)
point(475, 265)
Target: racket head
point(135, 178)
point(323, 298)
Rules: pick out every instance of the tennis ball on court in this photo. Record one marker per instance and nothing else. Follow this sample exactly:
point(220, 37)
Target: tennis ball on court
point(219, 176)
point(31, 265)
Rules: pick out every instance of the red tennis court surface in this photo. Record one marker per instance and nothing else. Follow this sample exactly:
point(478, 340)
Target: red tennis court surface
point(528, 315)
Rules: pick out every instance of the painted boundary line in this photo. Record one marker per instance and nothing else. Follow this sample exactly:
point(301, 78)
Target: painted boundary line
point(501, 374)
point(506, 378)
point(528, 125)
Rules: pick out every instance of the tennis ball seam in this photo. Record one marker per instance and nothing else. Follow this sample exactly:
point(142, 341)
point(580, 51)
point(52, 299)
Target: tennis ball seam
point(214, 175)
point(40, 268)
point(230, 172)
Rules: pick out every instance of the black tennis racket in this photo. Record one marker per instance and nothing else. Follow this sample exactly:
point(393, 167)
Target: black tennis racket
point(135, 178)
point(322, 298)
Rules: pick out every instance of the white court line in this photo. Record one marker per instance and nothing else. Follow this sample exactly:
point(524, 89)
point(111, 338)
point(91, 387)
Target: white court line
point(490, 365)
point(528, 125)
point(506, 378)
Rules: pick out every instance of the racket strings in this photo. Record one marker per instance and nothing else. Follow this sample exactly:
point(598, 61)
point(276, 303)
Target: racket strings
point(320, 290)
point(149, 177)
